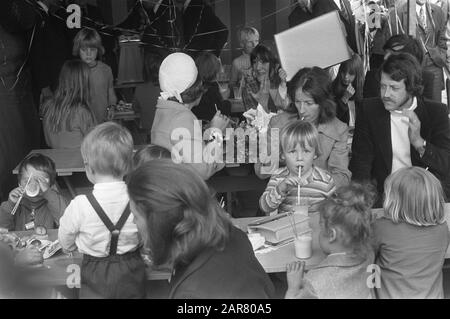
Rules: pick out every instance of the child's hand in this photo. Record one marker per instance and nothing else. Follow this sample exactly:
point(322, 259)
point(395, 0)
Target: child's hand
point(15, 194)
point(348, 94)
point(288, 183)
point(294, 275)
point(29, 256)
point(44, 184)
point(282, 74)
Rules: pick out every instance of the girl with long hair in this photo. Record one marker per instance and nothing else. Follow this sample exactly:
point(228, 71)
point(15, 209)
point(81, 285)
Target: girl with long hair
point(67, 116)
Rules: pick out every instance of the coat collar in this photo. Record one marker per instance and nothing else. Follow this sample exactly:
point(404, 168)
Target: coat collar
point(329, 129)
point(185, 271)
point(382, 123)
point(166, 104)
point(341, 260)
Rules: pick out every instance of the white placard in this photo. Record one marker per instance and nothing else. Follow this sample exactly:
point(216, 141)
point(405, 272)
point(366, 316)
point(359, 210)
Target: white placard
point(318, 42)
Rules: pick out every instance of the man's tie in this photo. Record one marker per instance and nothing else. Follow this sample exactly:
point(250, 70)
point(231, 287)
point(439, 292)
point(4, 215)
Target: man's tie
point(344, 11)
point(422, 18)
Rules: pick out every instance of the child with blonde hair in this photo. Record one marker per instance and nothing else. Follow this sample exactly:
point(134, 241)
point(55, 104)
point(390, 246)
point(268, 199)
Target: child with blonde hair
point(299, 147)
point(100, 224)
point(345, 235)
point(248, 39)
point(412, 238)
point(88, 46)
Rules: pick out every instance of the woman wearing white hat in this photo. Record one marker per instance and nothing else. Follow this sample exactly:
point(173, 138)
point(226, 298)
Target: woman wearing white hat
point(175, 127)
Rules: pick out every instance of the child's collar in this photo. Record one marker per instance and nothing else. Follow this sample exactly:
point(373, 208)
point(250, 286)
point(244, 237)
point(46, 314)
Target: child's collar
point(33, 205)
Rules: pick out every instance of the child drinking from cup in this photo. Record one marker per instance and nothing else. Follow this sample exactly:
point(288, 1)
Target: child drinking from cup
point(100, 225)
point(88, 46)
point(35, 202)
point(412, 237)
point(345, 233)
point(299, 146)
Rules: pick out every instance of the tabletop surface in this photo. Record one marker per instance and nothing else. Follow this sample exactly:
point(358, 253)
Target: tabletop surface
point(67, 161)
point(57, 269)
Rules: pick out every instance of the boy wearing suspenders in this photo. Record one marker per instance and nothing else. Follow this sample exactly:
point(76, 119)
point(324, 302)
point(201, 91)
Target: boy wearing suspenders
point(100, 224)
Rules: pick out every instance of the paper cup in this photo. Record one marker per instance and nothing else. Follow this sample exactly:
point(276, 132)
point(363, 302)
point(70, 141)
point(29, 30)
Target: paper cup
point(303, 246)
point(237, 93)
point(32, 189)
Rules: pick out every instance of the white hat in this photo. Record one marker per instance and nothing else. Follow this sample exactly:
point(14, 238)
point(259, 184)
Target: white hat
point(177, 73)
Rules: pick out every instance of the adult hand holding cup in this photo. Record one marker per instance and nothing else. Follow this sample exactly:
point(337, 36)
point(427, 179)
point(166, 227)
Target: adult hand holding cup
point(220, 121)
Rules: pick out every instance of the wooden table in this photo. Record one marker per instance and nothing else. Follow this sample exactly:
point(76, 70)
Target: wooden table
point(69, 161)
point(56, 270)
point(276, 260)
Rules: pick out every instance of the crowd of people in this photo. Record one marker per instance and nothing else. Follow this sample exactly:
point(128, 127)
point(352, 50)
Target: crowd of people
point(156, 202)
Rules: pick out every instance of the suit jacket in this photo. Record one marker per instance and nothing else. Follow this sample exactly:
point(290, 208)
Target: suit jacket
point(197, 18)
point(372, 145)
point(233, 273)
point(434, 39)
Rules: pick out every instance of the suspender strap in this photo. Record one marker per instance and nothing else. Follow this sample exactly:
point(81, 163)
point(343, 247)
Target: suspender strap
point(114, 229)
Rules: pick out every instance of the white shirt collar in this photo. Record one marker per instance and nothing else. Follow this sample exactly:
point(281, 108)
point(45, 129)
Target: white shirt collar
point(411, 108)
point(43, 6)
point(418, 7)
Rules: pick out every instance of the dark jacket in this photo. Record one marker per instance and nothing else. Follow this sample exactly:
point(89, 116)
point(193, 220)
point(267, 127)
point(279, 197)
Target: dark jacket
point(233, 273)
point(433, 38)
point(206, 110)
point(195, 29)
point(372, 146)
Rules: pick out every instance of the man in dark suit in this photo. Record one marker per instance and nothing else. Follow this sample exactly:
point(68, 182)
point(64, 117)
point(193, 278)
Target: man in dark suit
point(430, 31)
point(396, 44)
point(310, 9)
point(401, 128)
point(186, 25)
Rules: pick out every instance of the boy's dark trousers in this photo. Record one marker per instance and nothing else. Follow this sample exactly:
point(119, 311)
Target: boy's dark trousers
point(113, 277)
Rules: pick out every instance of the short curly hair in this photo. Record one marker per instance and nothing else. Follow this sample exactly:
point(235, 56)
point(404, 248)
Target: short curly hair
point(404, 66)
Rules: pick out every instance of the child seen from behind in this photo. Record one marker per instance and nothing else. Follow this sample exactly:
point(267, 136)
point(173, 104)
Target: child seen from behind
point(412, 238)
point(345, 234)
point(100, 225)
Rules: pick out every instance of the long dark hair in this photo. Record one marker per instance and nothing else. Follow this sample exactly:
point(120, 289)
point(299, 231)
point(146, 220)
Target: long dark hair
point(182, 218)
point(72, 96)
point(317, 83)
point(264, 54)
point(353, 66)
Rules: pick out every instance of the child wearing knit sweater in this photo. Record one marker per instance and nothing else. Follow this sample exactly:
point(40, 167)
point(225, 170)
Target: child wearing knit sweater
point(299, 145)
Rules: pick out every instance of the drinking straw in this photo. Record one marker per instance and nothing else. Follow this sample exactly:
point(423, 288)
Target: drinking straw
point(21, 196)
point(215, 105)
point(298, 186)
point(292, 222)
